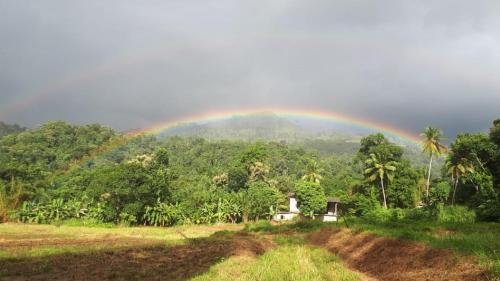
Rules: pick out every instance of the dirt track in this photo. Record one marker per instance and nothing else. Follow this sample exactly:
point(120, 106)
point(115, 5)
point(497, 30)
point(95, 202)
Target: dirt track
point(395, 259)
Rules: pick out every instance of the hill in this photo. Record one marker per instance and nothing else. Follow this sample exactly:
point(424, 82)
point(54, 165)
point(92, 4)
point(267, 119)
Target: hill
point(7, 129)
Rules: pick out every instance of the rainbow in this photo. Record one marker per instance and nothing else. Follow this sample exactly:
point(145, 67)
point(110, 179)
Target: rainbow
point(208, 117)
point(281, 112)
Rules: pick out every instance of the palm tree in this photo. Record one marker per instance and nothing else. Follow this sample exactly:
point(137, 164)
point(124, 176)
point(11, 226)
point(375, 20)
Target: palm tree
point(313, 173)
point(457, 169)
point(380, 170)
point(432, 145)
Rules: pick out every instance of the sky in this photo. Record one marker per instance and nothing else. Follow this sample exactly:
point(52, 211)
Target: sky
point(133, 63)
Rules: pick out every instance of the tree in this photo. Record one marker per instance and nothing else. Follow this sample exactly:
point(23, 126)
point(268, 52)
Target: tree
point(432, 146)
point(311, 198)
point(261, 199)
point(456, 170)
point(380, 170)
point(258, 171)
point(313, 172)
point(378, 144)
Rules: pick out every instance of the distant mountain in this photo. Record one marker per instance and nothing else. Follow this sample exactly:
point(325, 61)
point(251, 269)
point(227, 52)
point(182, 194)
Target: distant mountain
point(265, 126)
point(7, 129)
point(323, 137)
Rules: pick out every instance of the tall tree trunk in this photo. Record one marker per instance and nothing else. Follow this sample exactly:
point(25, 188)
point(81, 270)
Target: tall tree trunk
point(383, 192)
point(454, 191)
point(428, 179)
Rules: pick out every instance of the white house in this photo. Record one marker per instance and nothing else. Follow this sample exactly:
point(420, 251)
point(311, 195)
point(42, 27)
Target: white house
point(293, 211)
point(331, 210)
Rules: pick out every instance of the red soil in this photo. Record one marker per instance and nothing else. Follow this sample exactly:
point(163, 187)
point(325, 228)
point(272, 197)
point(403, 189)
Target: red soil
point(396, 259)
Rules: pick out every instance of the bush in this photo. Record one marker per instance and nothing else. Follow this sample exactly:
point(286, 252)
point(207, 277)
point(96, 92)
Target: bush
point(460, 214)
point(418, 214)
point(381, 215)
point(398, 214)
point(378, 215)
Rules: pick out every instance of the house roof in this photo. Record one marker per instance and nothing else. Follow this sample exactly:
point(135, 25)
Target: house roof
point(333, 200)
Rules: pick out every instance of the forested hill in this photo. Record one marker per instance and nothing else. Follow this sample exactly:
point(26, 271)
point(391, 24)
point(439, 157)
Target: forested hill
point(267, 127)
point(191, 179)
point(7, 129)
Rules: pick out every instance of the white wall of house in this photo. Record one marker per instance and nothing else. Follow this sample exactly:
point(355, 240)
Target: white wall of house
point(284, 216)
point(293, 205)
point(327, 218)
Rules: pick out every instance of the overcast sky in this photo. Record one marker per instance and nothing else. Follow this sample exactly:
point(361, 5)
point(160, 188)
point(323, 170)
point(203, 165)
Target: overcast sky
point(129, 63)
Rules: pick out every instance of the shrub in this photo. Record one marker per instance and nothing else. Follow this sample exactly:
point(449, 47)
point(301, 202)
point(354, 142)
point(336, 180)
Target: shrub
point(397, 214)
point(419, 214)
point(127, 219)
point(460, 214)
point(162, 214)
point(378, 215)
point(440, 193)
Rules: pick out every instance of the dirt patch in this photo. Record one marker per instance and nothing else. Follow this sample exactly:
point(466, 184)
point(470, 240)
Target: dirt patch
point(114, 241)
point(396, 259)
point(145, 263)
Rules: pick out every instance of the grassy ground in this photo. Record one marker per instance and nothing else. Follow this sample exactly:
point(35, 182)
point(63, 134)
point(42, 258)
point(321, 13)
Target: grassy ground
point(24, 241)
point(220, 252)
point(481, 240)
point(293, 259)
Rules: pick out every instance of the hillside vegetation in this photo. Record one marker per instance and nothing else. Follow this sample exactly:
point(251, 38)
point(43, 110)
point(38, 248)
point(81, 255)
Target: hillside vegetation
point(177, 180)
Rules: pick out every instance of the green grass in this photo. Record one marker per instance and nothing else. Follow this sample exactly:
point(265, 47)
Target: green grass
point(91, 238)
point(288, 262)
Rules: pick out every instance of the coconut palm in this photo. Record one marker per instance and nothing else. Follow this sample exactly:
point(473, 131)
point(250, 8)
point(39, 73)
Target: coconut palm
point(432, 146)
point(313, 173)
point(457, 169)
point(379, 170)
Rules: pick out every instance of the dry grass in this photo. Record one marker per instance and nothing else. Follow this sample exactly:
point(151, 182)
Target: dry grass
point(397, 259)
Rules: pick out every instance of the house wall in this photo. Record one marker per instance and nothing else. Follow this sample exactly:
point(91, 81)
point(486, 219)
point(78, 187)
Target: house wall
point(327, 218)
point(293, 205)
point(284, 216)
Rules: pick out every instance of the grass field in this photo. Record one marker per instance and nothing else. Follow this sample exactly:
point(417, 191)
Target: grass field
point(302, 251)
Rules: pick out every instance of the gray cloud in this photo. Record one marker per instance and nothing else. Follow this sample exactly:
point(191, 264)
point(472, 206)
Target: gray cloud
point(133, 63)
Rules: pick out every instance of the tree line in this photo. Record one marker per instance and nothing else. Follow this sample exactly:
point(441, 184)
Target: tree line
point(183, 180)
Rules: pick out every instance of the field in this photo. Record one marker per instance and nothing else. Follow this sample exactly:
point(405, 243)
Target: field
point(301, 251)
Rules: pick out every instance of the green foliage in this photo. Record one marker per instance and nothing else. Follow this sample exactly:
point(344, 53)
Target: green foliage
point(52, 211)
point(440, 193)
point(379, 145)
point(168, 181)
point(7, 129)
point(382, 215)
point(311, 198)
point(455, 214)
point(162, 214)
point(262, 199)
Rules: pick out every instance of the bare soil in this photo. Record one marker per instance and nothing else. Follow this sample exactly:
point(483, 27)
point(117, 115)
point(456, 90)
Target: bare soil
point(142, 262)
point(390, 259)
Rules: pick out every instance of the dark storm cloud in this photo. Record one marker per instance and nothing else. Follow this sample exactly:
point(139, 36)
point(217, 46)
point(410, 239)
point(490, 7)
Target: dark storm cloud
point(132, 63)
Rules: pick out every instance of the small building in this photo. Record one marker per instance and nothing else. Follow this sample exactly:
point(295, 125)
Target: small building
point(331, 210)
point(293, 210)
